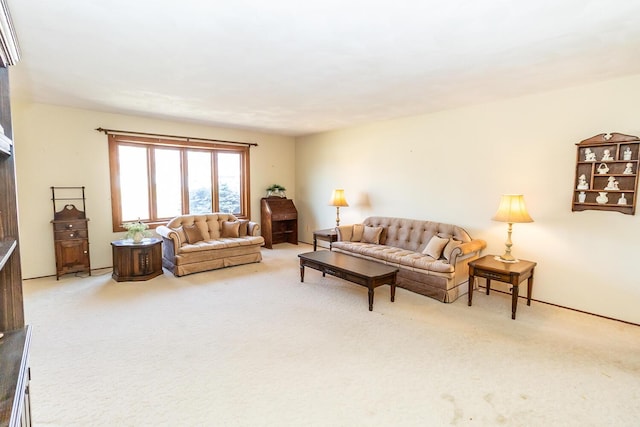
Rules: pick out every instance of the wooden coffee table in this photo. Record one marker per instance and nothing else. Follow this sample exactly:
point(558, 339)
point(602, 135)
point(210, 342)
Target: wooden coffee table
point(356, 270)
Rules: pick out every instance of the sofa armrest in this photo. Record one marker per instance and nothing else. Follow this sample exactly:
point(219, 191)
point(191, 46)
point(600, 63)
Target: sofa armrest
point(344, 232)
point(253, 229)
point(467, 250)
point(169, 235)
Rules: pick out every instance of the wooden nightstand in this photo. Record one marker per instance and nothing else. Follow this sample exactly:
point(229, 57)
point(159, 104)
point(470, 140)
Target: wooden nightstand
point(329, 234)
point(512, 273)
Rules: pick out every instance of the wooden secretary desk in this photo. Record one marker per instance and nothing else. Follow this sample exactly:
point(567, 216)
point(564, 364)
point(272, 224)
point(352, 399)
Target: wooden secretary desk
point(279, 221)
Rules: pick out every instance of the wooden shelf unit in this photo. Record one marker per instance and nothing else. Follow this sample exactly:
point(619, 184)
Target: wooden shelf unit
point(600, 172)
point(15, 407)
point(70, 231)
point(11, 303)
point(15, 399)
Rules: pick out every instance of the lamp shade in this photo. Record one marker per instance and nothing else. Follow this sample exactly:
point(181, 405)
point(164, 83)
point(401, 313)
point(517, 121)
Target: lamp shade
point(337, 199)
point(512, 209)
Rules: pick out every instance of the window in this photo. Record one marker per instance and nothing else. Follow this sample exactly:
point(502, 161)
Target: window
point(157, 179)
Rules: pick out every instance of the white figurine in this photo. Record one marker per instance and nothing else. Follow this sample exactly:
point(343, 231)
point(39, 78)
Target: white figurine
point(626, 155)
point(622, 200)
point(628, 170)
point(589, 156)
point(582, 183)
point(607, 155)
point(612, 185)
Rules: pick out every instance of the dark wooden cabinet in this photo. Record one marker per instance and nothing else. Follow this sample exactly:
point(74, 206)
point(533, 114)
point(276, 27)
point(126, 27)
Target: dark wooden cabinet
point(11, 304)
point(15, 402)
point(70, 233)
point(15, 337)
point(136, 261)
point(279, 221)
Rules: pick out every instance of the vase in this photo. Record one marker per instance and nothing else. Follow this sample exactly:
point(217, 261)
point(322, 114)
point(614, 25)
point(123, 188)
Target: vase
point(582, 197)
point(138, 236)
point(602, 198)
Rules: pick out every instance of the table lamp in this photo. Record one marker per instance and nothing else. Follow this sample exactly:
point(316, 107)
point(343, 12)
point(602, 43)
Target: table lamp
point(512, 209)
point(338, 200)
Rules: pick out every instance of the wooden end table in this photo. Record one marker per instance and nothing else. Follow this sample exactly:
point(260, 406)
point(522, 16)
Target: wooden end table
point(329, 234)
point(355, 270)
point(137, 261)
point(513, 273)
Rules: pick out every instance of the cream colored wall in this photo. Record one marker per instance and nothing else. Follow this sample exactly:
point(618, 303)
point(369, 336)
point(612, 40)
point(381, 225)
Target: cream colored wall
point(57, 146)
point(452, 167)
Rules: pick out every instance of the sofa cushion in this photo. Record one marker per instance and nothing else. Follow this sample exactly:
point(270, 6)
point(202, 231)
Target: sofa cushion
point(182, 236)
point(435, 246)
point(414, 234)
point(244, 227)
point(230, 229)
point(358, 230)
point(395, 256)
point(371, 234)
point(193, 234)
point(448, 249)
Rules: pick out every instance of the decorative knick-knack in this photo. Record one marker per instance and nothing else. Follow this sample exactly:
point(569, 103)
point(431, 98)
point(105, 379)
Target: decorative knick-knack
point(628, 169)
point(626, 154)
point(622, 200)
point(582, 197)
point(589, 156)
point(603, 168)
point(606, 155)
point(602, 198)
point(612, 185)
point(582, 182)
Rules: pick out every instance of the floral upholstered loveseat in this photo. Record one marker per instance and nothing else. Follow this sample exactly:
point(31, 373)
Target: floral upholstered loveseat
point(195, 243)
point(432, 257)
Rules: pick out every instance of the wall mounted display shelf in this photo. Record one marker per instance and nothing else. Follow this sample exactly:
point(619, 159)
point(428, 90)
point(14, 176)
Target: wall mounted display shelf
point(607, 173)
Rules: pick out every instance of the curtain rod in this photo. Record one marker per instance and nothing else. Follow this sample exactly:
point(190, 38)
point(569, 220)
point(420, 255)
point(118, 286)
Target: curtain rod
point(187, 138)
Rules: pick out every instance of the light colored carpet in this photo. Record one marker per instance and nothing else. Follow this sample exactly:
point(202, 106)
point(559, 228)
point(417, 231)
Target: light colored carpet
point(252, 346)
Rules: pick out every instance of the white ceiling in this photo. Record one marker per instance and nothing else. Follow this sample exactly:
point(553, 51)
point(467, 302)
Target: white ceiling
point(295, 67)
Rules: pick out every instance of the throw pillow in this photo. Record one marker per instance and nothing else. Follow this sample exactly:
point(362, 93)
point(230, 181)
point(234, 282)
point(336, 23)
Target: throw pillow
point(358, 229)
point(193, 233)
point(244, 227)
point(451, 245)
point(230, 228)
point(435, 246)
point(371, 234)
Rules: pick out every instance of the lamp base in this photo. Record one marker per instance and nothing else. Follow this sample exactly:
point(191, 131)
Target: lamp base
point(510, 261)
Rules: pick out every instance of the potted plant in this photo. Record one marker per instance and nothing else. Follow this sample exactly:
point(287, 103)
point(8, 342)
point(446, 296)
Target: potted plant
point(136, 230)
point(276, 190)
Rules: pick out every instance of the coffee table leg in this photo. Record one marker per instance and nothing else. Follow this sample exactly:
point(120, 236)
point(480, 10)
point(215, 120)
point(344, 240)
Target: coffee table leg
point(370, 298)
point(301, 272)
point(393, 291)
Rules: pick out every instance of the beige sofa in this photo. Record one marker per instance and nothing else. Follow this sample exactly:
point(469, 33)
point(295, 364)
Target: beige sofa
point(432, 257)
point(195, 243)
